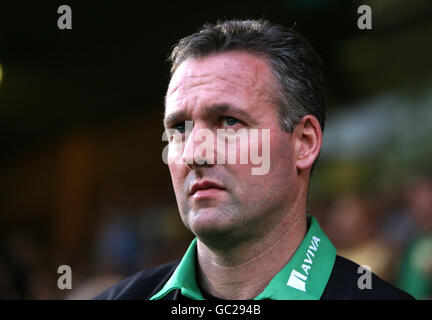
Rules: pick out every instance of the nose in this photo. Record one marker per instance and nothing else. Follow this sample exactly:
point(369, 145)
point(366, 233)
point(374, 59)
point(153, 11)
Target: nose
point(199, 149)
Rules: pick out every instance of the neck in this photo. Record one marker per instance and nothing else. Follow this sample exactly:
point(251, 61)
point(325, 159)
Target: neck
point(244, 271)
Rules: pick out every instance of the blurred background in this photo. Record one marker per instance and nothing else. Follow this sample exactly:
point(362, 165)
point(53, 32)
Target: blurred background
point(82, 182)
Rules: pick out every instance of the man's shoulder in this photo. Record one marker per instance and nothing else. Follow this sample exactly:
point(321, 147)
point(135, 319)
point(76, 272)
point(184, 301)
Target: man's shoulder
point(350, 282)
point(142, 285)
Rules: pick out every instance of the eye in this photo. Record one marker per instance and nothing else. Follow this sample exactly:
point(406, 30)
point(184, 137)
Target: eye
point(180, 127)
point(231, 121)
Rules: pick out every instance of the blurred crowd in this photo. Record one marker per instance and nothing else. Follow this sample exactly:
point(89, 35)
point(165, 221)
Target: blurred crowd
point(391, 232)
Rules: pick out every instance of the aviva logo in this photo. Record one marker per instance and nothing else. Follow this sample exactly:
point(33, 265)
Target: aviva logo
point(297, 280)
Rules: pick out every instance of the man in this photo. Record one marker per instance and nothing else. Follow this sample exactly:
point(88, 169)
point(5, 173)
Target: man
point(253, 237)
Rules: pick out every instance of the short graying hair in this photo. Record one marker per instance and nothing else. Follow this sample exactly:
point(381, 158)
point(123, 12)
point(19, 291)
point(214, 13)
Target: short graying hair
point(296, 66)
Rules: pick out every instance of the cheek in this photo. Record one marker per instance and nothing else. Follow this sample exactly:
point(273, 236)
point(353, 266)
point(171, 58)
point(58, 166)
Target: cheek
point(250, 149)
point(177, 177)
point(270, 153)
point(281, 173)
point(282, 150)
point(175, 152)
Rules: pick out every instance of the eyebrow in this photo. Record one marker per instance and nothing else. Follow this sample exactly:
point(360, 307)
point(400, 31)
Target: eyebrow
point(179, 116)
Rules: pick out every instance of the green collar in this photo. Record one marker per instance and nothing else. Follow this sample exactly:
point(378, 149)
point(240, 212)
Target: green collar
point(303, 278)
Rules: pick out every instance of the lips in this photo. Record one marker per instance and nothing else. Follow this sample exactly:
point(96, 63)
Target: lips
point(204, 185)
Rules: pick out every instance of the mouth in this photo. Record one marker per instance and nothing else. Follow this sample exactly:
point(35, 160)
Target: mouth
point(205, 188)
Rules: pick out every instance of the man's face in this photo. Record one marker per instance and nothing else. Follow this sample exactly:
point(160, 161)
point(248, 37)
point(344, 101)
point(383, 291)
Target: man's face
point(222, 91)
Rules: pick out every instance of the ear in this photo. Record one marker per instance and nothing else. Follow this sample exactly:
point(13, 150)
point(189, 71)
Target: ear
point(308, 136)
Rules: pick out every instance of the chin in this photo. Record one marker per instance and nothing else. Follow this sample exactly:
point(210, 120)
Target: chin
point(211, 223)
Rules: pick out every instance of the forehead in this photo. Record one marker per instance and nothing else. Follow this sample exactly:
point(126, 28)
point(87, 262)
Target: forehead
point(237, 75)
